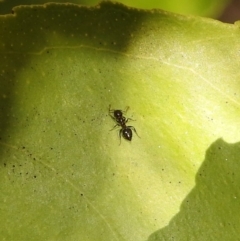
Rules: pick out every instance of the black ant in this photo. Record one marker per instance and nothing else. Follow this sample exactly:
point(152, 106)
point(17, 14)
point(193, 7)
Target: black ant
point(125, 131)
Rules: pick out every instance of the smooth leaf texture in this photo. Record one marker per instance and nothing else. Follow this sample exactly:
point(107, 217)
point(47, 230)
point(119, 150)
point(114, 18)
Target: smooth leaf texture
point(64, 175)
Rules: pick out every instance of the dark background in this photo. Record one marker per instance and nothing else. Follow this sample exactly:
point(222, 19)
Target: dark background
point(231, 13)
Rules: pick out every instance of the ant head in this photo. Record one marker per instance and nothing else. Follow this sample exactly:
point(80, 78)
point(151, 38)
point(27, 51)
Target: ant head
point(118, 114)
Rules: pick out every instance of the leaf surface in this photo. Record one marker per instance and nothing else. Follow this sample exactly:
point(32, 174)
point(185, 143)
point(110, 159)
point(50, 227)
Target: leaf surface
point(64, 175)
point(208, 8)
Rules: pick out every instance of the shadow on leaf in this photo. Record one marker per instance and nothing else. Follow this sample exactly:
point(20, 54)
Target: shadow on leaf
point(32, 37)
point(211, 210)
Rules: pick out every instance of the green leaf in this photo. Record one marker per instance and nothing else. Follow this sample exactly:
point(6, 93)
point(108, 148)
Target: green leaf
point(210, 8)
point(209, 212)
point(64, 175)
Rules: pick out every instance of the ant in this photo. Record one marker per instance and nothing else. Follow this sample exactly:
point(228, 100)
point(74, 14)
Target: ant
point(125, 131)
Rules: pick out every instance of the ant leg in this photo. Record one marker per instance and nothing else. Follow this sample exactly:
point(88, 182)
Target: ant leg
point(127, 108)
point(115, 127)
point(129, 119)
point(112, 117)
point(134, 130)
point(120, 134)
point(110, 110)
point(125, 111)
